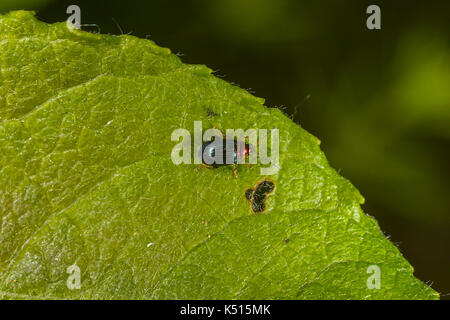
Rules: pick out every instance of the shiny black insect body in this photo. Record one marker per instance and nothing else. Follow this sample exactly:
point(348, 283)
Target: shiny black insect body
point(228, 152)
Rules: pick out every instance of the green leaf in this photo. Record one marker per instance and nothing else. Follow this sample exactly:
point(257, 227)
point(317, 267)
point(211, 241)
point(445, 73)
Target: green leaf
point(86, 179)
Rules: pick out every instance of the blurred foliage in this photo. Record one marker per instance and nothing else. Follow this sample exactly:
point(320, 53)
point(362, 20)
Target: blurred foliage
point(379, 100)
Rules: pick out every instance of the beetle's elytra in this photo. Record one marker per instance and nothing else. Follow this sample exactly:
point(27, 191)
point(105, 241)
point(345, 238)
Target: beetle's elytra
point(239, 151)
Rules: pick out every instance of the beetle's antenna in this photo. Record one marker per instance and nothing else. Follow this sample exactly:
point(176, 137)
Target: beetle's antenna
point(265, 135)
point(259, 142)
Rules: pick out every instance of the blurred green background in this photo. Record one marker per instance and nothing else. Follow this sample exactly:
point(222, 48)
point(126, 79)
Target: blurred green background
point(378, 99)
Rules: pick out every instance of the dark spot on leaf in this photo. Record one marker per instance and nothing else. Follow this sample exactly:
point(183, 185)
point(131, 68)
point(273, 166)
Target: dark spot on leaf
point(210, 112)
point(258, 196)
point(249, 194)
point(259, 206)
point(265, 186)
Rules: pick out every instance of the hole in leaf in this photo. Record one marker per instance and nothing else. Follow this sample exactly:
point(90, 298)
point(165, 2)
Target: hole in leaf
point(257, 197)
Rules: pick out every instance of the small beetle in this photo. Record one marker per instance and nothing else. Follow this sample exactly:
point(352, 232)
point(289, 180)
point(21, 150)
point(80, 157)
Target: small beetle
point(208, 151)
point(240, 153)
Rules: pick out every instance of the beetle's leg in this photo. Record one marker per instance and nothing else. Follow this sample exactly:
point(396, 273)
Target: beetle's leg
point(203, 165)
point(234, 170)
